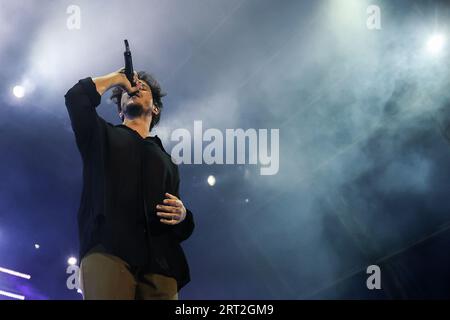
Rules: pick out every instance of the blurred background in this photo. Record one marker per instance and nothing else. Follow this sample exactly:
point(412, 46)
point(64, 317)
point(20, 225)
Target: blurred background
point(359, 91)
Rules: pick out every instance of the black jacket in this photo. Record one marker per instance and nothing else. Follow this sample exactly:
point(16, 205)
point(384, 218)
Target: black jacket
point(124, 177)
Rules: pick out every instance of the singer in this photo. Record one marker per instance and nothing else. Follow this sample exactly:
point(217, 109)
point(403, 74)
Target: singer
point(131, 219)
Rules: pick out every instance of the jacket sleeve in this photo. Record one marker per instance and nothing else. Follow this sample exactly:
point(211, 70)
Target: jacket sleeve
point(184, 229)
point(81, 102)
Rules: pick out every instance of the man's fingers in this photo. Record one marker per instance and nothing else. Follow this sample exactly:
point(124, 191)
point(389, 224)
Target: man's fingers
point(171, 222)
point(171, 196)
point(135, 78)
point(133, 91)
point(168, 208)
point(172, 219)
point(168, 215)
point(173, 202)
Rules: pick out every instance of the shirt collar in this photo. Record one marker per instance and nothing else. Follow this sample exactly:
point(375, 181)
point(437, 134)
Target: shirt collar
point(155, 139)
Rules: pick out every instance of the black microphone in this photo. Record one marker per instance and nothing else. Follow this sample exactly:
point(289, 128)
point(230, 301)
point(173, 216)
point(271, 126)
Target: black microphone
point(129, 72)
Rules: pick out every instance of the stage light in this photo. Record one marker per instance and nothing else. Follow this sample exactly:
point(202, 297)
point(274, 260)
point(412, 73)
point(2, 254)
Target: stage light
point(19, 91)
point(211, 180)
point(15, 273)
point(12, 295)
point(36, 246)
point(435, 44)
point(246, 200)
point(72, 261)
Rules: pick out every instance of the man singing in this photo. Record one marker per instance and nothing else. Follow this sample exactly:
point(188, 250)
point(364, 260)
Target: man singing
point(131, 220)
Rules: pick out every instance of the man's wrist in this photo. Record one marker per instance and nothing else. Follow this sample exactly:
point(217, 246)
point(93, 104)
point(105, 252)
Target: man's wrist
point(104, 83)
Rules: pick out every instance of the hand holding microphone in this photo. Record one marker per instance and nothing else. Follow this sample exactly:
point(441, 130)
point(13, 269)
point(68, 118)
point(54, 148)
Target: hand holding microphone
point(126, 84)
point(125, 77)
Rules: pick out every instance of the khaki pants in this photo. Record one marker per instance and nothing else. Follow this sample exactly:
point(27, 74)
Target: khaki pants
point(107, 277)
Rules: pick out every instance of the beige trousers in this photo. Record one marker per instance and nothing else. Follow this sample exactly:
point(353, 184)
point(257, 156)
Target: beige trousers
point(107, 277)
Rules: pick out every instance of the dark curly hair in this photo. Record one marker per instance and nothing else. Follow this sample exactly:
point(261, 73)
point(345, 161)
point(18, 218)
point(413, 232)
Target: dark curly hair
point(157, 95)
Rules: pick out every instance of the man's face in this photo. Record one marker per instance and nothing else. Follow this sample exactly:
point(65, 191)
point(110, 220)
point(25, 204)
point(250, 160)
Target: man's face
point(139, 104)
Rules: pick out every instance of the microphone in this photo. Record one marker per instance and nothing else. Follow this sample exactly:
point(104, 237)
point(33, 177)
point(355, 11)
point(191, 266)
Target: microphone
point(129, 72)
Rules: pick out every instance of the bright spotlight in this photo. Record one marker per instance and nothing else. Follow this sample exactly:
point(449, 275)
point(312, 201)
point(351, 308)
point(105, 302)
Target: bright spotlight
point(72, 261)
point(436, 43)
point(211, 180)
point(19, 91)
point(37, 246)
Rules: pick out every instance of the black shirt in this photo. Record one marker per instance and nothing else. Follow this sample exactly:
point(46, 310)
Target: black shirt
point(124, 177)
